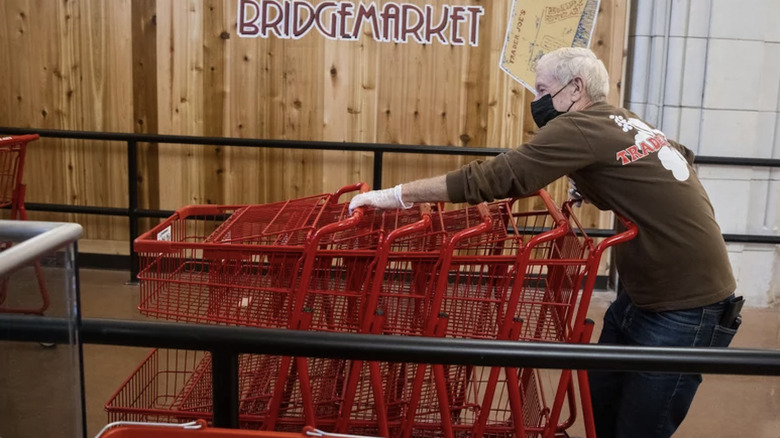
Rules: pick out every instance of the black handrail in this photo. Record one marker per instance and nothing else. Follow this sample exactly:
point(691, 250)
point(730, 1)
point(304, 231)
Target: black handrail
point(390, 348)
point(379, 149)
point(226, 343)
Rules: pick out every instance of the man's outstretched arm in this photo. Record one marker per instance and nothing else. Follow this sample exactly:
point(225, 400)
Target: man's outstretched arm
point(404, 195)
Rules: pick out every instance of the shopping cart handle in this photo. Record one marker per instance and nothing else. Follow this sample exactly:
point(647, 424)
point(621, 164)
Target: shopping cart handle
point(14, 139)
point(631, 231)
point(192, 425)
point(483, 211)
point(310, 431)
point(361, 186)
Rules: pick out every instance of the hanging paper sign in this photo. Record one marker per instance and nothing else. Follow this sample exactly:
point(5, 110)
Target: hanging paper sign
point(456, 25)
point(541, 26)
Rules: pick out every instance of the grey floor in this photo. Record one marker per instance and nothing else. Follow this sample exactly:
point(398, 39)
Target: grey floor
point(37, 392)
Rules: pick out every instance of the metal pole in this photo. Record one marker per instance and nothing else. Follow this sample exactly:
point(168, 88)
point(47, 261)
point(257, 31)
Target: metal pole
point(385, 348)
point(132, 208)
point(378, 156)
point(72, 261)
point(224, 371)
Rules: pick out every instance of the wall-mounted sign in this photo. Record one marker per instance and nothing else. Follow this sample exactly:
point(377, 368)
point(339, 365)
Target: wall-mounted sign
point(540, 26)
point(347, 20)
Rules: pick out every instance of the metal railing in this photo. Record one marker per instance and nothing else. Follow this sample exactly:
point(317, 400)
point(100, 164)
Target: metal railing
point(134, 213)
point(226, 343)
point(35, 238)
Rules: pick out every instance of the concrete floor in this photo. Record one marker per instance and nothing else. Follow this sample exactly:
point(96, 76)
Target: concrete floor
point(726, 406)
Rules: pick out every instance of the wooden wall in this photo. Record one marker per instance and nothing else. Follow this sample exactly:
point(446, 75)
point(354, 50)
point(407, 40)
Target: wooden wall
point(179, 67)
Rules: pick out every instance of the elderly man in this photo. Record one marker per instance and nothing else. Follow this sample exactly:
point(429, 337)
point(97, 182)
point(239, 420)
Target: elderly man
point(676, 274)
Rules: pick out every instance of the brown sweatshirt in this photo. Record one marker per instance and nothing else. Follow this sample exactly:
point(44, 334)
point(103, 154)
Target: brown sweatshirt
point(679, 259)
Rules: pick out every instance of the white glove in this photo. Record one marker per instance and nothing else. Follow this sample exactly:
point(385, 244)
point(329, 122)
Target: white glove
point(387, 199)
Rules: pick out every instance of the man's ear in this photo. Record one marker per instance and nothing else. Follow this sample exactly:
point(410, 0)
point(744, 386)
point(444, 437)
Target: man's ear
point(579, 88)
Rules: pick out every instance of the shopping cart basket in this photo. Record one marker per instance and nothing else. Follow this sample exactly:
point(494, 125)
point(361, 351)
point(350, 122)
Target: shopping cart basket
point(231, 264)
point(12, 156)
point(174, 386)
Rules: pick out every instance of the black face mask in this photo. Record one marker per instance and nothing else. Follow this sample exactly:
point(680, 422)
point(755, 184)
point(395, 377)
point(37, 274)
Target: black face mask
point(543, 109)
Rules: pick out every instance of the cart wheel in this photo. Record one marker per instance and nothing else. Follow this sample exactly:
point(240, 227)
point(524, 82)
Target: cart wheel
point(48, 345)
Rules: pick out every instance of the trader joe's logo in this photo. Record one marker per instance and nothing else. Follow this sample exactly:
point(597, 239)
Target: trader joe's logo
point(346, 20)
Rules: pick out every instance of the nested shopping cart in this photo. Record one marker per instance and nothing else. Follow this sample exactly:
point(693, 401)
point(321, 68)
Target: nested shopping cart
point(236, 265)
point(486, 272)
point(320, 286)
point(496, 274)
point(13, 151)
point(245, 266)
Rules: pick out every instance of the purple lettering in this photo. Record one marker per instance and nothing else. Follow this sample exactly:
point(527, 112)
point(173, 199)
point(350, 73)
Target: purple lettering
point(411, 30)
point(330, 33)
point(301, 27)
point(267, 22)
point(391, 17)
point(247, 26)
point(344, 11)
point(475, 11)
point(456, 17)
point(287, 6)
point(366, 12)
point(400, 22)
point(437, 30)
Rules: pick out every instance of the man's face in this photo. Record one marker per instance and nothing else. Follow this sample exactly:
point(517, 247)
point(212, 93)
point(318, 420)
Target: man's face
point(547, 84)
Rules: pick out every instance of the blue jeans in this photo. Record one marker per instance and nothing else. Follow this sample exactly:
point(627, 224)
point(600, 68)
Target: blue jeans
point(637, 405)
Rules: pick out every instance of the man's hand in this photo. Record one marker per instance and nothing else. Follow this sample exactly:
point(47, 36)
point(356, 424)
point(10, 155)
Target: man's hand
point(387, 199)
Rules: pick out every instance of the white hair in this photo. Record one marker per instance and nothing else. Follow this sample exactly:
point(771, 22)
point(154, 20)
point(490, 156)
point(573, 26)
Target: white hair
point(568, 62)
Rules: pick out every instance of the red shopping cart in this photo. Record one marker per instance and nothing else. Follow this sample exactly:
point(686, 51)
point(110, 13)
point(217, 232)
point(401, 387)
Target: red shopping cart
point(505, 276)
point(233, 265)
point(245, 265)
point(336, 262)
point(174, 386)
point(453, 284)
point(485, 272)
point(12, 155)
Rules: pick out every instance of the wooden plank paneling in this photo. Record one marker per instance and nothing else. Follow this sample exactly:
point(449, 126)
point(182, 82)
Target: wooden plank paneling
point(93, 78)
point(178, 67)
point(70, 71)
point(215, 97)
point(145, 105)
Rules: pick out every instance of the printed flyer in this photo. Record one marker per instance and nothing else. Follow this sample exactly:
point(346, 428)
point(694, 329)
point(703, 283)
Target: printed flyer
point(540, 26)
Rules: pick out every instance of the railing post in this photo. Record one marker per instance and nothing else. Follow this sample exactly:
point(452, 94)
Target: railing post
point(72, 263)
point(224, 372)
point(378, 155)
point(132, 208)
